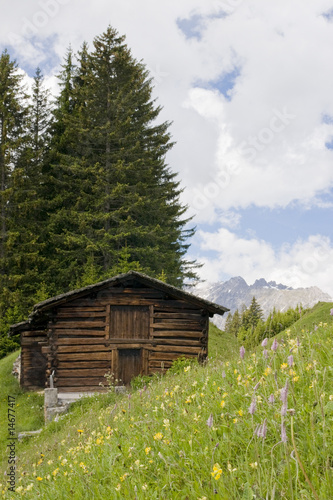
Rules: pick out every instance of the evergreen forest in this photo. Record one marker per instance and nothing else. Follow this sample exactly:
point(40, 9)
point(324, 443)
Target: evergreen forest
point(250, 328)
point(86, 192)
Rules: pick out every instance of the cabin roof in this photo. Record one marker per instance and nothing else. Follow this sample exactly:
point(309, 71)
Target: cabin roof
point(43, 307)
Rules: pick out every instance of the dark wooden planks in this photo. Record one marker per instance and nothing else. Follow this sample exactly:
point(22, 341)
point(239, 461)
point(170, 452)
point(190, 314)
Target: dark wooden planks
point(80, 372)
point(129, 322)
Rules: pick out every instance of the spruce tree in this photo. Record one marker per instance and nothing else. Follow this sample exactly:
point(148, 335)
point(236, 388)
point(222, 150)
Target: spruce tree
point(255, 314)
point(26, 210)
point(112, 166)
point(13, 141)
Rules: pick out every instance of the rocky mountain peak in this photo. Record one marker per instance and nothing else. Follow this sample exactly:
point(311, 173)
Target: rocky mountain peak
point(235, 293)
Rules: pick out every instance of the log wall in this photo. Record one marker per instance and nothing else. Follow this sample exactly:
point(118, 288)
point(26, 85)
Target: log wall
point(33, 359)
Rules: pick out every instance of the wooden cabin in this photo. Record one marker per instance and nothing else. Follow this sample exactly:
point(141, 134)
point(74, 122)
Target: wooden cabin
point(127, 325)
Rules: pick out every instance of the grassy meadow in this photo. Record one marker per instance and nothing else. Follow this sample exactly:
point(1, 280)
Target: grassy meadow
point(246, 425)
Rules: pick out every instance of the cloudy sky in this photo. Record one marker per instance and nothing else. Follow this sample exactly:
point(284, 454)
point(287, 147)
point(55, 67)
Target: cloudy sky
point(248, 85)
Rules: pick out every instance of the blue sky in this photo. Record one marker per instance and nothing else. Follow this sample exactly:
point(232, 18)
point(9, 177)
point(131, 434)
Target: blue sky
point(248, 87)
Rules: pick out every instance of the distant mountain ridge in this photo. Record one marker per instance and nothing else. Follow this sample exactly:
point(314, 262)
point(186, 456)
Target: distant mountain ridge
point(235, 292)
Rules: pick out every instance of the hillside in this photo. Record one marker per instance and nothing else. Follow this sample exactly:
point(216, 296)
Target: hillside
point(257, 427)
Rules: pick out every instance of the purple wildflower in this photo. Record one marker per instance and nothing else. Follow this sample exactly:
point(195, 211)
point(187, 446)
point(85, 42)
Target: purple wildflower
point(290, 360)
point(210, 421)
point(264, 342)
point(284, 393)
point(242, 352)
point(253, 406)
point(315, 328)
point(276, 379)
point(275, 345)
point(265, 353)
point(283, 433)
point(271, 399)
point(262, 430)
point(284, 409)
point(256, 386)
point(331, 312)
point(223, 374)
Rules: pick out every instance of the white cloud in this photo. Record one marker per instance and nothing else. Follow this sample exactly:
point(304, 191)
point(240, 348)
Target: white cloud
point(283, 52)
point(264, 147)
point(304, 263)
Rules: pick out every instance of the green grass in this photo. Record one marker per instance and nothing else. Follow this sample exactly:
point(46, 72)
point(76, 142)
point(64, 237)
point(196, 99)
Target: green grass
point(220, 344)
point(157, 444)
point(320, 313)
point(29, 413)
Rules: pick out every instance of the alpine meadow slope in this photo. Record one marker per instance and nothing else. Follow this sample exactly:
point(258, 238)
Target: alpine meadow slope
point(253, 425)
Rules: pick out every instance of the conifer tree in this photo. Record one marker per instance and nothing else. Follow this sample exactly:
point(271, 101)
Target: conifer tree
point(13, 139)
point(254, 315)
point(113, 169)
point(26, 211)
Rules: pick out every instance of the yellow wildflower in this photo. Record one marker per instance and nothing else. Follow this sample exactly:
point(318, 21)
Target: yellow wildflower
point(284, 366)
point(147, 450)
point(39, 478)
point(158, 436)
point(222, 403)
point(217, 471)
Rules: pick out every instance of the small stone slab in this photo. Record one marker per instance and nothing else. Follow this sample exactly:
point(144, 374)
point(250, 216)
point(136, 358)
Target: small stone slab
point(22, 435)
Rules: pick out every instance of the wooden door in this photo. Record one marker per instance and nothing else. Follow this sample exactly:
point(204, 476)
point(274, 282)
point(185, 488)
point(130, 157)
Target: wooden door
point(128, 325)
point(129, 365)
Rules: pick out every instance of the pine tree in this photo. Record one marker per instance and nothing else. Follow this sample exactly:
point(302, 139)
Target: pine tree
point(250, 319)
point(236, 323)
point(255, 314)
point(13, 141)
point(228, 323)
point(26, 211)
point(112, 166)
